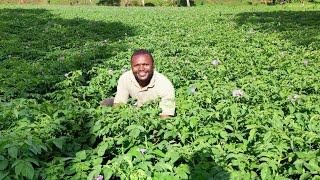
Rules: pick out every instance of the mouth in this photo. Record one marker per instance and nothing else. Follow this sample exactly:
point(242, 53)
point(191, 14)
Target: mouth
point(142, 74)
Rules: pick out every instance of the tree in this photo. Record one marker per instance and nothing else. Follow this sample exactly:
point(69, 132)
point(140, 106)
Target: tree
point(188, 3)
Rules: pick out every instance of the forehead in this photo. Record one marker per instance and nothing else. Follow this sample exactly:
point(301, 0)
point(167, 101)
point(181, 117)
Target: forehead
point(141, 58)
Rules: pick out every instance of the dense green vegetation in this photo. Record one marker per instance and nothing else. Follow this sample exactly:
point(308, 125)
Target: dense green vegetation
point(247, 86)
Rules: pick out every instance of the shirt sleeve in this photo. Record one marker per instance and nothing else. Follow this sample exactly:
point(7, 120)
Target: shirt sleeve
point(167, 102)
point(122, 94)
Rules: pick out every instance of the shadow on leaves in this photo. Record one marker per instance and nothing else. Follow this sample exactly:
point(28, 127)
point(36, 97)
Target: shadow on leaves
point(109, 2)
point(203, 167)
point(37, 48)
point(299, 27)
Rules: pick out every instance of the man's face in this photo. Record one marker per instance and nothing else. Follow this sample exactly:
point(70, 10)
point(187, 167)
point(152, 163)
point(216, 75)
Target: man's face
point(142, 68)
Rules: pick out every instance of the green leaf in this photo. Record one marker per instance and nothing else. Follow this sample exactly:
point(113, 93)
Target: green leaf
point(170, 134)
point(267, 136)
point(159, 153)
point(316, 177)
point(59, 142)
point(132, 127)
point(312, 165)
point(18, 166)
point(3, 164)
point(305, 176)
point(81, 155)
point(224, 134)
point(102, 149)
point(35, 148)
point(25, 169)
point(298, 164)
point(97, 161)
point(182, 171)
point(107, 173)
point(208, 101)
point(265, 172)
point(229, 127)
point(135, 152)
point(13, 151)
point(307, 155)
point(93, 174)
point(161, 166)
point(173, 156)
point(3, 174)
point(291, 109)
point(252, 133)
point(193, 122)
point(34, 161)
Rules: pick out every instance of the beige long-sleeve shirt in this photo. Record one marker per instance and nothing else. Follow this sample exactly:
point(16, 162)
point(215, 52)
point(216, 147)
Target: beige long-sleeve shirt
point(159, 86)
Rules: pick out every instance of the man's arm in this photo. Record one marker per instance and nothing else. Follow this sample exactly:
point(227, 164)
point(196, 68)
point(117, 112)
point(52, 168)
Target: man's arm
point(122, 94)
point(168, 108)
point(167, 103)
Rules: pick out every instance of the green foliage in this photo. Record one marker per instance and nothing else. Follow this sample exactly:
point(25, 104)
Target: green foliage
point(247, 92)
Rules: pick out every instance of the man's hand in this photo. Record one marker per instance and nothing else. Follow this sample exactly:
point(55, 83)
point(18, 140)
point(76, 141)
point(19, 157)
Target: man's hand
point(107, 102)
point(163, 116)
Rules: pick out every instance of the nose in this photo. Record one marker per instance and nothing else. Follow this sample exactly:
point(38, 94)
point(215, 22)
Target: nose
point(141, 67)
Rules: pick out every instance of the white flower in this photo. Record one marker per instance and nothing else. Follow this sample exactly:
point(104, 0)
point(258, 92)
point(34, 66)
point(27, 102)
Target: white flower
point(124, 70)
point(237, 93)
point(293, 98)
point(100, 177)
point(306, 62)
point(66, 74)
point(110, 72)
point(215, 62)
point(61, 58)
point(143, 151)
point(192, 89)
point(251, 31)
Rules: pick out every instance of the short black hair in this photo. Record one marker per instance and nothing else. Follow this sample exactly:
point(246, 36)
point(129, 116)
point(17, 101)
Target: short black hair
point(142, 52)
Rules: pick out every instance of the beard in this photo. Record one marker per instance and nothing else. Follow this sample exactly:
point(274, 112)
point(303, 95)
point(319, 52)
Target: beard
point(143, 78)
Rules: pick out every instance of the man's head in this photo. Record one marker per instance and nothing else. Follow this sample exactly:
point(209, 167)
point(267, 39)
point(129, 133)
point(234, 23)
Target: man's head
point(142, 66)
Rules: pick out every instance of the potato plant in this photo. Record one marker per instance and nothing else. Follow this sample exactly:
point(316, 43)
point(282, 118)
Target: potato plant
point(247, 92)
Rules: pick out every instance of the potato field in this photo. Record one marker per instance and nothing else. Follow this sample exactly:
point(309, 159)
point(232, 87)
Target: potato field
point(247, 81)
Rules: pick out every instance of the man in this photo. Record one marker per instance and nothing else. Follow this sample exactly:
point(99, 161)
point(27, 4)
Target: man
point(145, 84)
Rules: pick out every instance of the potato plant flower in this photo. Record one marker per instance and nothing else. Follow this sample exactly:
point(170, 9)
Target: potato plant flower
point(237, 93)
point(215, 62)
point(100, 177)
